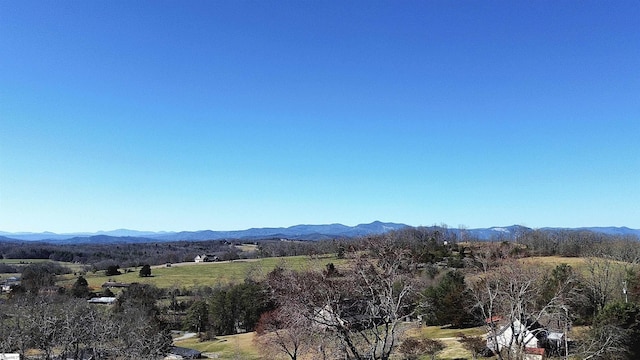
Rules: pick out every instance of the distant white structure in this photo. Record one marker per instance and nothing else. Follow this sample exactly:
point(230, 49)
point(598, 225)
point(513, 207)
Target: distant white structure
point(11, 356)
point(205, 258)
point(5, 286)
point(107, 300)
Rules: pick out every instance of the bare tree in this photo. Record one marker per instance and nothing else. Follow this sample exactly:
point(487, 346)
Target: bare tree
point(474, 344)
point(603, 281)
point(363, 308)
point(485, 291)
point(432, 347)
point(77, 328)
point(14, 331)
point(138, 335)
point(511, 294)
point(411, 348)
point(602, 343)
point(285, 330)
point(40, 318)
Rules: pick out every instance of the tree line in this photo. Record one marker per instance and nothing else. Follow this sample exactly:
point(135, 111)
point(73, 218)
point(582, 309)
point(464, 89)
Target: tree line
point(570, 243)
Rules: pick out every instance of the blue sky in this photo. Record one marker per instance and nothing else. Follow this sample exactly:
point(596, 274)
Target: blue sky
point(224, 115)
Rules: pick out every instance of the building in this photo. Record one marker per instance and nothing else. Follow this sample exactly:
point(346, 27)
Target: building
point(205, 258)
point(9, 356)
point(528, 337)
point(8, 284)
point(106, 300)
point(113, 284)
point(534, 354)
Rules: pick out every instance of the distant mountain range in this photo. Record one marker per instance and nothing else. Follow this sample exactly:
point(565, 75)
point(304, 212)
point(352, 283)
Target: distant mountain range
point(297, 232)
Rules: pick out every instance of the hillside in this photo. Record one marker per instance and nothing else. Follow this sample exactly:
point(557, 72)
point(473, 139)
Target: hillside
point(296, 232)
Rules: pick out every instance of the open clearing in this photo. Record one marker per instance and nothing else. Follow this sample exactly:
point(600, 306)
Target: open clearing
point(553, 261)
point(239, 346)
point(242, 346)
point(188, 275)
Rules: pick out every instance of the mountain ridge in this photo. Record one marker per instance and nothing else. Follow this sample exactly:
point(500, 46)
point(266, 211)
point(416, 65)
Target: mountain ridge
point(295, 232)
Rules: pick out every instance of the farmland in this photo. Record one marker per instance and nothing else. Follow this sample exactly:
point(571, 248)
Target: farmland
point(189, 275)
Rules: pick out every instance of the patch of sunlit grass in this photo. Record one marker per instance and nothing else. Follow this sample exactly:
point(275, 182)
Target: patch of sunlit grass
point(437, 332)
point(225, 347)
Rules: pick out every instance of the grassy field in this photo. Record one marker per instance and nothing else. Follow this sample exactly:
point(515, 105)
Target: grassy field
point(436, 332)
point(448, 336)
point(187, 275)
point(239, 346)
point(579, 264)
point(553, 261)
point(214, 273)
point(247, 247)
point(24, 262)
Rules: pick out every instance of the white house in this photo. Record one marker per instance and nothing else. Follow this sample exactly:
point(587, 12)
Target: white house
point(516, 333)
point(518, 336)
point(205, 258)
point(200, 258)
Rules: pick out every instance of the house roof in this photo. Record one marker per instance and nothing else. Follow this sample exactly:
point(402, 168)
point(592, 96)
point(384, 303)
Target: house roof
point(534, 351)
point(555, 336)
point(493, 319)
point(102, 300)
point(185, 352)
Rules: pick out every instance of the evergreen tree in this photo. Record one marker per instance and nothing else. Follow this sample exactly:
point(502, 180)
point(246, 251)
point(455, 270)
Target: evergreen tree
point(145, 271)
point(449, 294)
point(80, 288)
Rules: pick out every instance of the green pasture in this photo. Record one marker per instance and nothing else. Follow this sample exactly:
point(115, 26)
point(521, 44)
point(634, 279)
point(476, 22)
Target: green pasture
point(247, 247)
point(24, 262)
point(437, 332)
point(239, 346)
point(188, 275)
point(553, 261)
point(579, 264)
point(449, 336)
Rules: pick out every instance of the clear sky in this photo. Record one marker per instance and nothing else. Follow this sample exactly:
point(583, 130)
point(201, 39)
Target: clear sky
point(225, 115)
